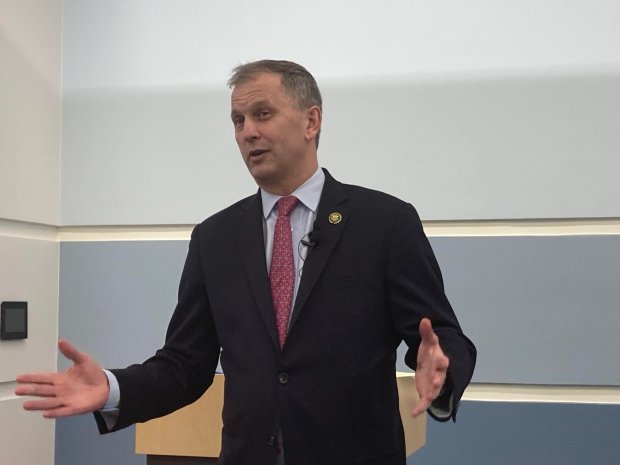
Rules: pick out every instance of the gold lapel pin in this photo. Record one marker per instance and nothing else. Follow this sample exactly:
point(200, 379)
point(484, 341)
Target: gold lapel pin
point(335, 218)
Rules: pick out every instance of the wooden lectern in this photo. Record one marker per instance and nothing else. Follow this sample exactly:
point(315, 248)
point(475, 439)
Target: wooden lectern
point(192, 435)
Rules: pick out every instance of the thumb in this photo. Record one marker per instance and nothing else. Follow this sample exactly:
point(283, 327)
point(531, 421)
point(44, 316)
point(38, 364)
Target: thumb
point(70, 352)
point(426, 332)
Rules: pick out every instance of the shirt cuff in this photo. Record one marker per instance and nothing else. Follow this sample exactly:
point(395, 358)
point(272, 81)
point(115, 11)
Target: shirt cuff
point(114, 398)
point(109, 412)
point(443, 411)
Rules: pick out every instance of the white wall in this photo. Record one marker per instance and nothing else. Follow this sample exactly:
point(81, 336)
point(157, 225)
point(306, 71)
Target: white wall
point(470, 110)
point(30, 112)
point(152, 43)
point(28, 271)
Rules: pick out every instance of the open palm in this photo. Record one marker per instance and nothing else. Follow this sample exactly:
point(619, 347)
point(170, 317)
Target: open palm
point(80, 389)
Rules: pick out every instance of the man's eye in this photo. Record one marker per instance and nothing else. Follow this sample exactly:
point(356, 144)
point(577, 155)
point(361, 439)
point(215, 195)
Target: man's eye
point(264, 114)
point(238, 123)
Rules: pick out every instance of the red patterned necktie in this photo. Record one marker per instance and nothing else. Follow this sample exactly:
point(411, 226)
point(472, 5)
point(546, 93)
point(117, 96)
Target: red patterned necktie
point(282, 270)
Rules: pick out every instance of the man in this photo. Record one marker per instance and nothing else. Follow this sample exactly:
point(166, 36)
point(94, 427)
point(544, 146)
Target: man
point(307, 288)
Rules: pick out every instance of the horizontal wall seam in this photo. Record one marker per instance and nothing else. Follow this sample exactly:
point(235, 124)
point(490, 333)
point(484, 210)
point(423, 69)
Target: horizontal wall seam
point(7, 390)
point(464, 228)
point(609, 395)
point(432, 229)
point(125, 233)
point(27, 230)
point(566, 227)
point(482, 392)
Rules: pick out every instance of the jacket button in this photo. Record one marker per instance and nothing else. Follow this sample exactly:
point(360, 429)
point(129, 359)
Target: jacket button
point(282, 378)
point(271, 441)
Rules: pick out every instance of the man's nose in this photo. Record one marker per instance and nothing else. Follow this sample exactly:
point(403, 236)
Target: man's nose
point(250, 130)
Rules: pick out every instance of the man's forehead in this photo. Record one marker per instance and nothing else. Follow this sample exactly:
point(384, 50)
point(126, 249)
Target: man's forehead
point(265, 86)
point(259, 81)
point(260, 76)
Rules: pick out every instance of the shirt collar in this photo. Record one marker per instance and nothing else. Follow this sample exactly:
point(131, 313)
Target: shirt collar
point(309, 193)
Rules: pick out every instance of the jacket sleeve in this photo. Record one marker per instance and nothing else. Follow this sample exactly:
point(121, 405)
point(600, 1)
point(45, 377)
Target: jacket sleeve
point(184, 367)
point(415, 291)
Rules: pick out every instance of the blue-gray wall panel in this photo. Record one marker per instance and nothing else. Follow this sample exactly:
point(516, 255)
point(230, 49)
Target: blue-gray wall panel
point(540, 309)
point(115, 302)
point(116, 297)
point(489, 433)
point(79, 443)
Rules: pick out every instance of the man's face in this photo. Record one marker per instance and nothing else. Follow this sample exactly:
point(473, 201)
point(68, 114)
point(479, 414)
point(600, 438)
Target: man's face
point(275, 138)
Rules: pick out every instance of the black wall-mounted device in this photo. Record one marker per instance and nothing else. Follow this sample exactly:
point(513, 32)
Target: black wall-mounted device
point(14, 320)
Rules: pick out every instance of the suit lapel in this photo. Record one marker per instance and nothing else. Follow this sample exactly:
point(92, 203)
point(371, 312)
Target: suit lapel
point(326, 233)
point(251, 246)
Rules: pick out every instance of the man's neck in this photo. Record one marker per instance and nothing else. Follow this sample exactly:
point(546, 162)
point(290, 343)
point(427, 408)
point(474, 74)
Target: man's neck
point(288, 190)
point(284, 189)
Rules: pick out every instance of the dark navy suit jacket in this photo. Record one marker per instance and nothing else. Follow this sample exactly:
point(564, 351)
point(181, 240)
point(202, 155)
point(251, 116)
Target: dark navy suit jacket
point(331, 389)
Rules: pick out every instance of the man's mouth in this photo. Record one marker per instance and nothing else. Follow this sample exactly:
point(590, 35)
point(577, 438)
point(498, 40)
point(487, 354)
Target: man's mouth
point(257, 152)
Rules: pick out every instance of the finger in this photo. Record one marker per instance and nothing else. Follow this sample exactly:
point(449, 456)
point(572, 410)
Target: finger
point(40, 390)
point(43, 404)
point(443, 363)
point(426, 332)
point(71, 352)
point(437, 385)
point(433, 388)
point(60, 412)
point(421, 407)
point(37, 378)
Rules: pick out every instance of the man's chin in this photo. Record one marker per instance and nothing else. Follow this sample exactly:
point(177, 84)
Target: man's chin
point(261, 176)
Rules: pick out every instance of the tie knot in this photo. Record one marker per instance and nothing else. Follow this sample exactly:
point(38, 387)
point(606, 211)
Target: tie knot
point(286, 205)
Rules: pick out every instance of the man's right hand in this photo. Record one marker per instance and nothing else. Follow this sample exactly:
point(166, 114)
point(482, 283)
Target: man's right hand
point(81, 389)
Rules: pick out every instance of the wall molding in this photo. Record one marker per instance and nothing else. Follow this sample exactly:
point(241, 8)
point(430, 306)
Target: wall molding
point(481, 392)
point(125, 233)
point(180, 232)
point(607, 395)
point(529, 227)
point(7, 391)
point(27, 230)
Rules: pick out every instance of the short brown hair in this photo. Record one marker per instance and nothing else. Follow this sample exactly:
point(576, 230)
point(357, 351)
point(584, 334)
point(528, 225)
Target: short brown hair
point(297, 81)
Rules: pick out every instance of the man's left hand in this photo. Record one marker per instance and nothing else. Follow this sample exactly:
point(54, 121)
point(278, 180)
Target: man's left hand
point(432, 367)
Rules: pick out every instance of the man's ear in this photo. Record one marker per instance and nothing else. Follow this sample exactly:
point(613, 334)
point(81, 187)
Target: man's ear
point(313, 122)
